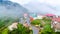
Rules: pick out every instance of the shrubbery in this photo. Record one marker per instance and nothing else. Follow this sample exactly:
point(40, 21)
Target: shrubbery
point(46, 25)
point(5, 22)
point(36, 22)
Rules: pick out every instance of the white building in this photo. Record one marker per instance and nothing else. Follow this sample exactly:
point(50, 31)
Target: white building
point(39, 17)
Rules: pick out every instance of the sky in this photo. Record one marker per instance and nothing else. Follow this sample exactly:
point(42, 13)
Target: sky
point(22, 2)
point(52, 3)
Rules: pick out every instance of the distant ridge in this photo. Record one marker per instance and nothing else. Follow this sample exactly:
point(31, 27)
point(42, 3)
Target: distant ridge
point(8, 8)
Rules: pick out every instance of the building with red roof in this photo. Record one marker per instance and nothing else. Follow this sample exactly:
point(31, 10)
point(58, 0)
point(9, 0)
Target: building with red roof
point(56, 19)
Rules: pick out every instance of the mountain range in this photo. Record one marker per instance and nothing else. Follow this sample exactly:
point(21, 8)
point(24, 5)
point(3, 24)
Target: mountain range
point(8, 8)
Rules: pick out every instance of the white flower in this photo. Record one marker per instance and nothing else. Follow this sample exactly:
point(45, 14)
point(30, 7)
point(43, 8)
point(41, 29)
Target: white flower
point(13, 26)
point(10, 28)
point(36, 25)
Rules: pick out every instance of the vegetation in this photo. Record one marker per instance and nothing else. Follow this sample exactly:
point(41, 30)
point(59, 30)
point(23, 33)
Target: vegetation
point(36, 22)
point(21, 30)
point(44, 23)
point(45, 26)
point(5, 22)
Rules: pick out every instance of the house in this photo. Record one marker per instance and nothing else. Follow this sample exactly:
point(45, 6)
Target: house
point(56, 24)
point(39, 17)
point(50, 15)
point(56, 19)
point(31, 19)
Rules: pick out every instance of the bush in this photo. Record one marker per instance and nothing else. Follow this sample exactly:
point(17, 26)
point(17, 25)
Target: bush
point(20, 30)
point(36, 22)
point(24, 30)
point(5, 22)
point(47, 27)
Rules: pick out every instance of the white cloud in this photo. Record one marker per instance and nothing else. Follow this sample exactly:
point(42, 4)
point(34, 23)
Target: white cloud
point(20, 1)
point(50, 2)
point(53, 3)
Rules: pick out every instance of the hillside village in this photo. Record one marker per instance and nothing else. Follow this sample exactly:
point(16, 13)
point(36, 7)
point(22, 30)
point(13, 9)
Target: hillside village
point(16, 19)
